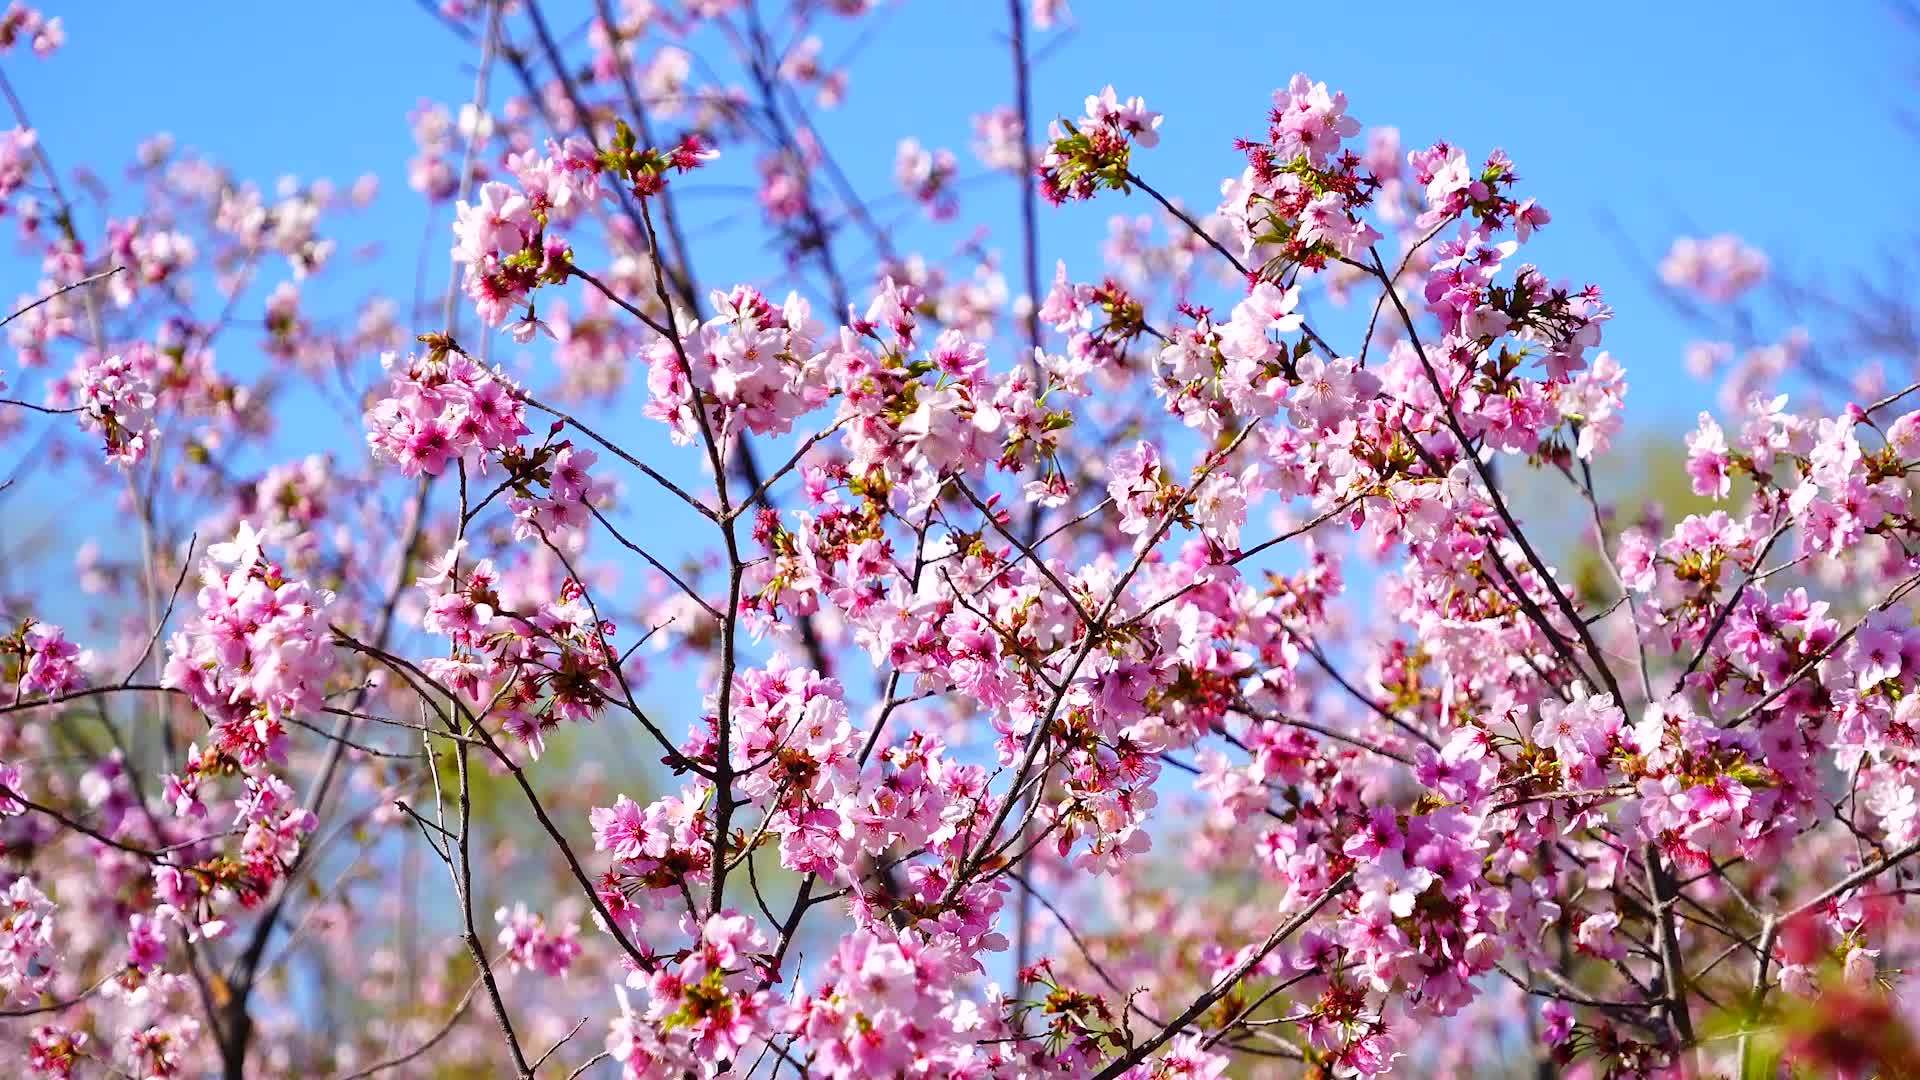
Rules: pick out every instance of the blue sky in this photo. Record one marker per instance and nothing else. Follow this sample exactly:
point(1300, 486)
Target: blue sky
point(1664, 117)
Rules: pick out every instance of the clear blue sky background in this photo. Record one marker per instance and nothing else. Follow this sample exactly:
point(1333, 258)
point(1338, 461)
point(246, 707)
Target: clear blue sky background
point(1775, 120)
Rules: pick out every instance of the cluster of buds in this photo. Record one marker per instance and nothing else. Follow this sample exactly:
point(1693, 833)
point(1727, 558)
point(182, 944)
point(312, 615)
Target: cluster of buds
point(1093, 153)
point(646, 169)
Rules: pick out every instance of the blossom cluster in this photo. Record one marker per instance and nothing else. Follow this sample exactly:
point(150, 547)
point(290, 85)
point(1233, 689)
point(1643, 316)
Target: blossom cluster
point(443, 407)
point(1085, 156)
point(258, 651)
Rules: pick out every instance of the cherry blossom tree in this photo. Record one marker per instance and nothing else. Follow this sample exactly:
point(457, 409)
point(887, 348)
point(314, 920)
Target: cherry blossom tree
point(1134, 667)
